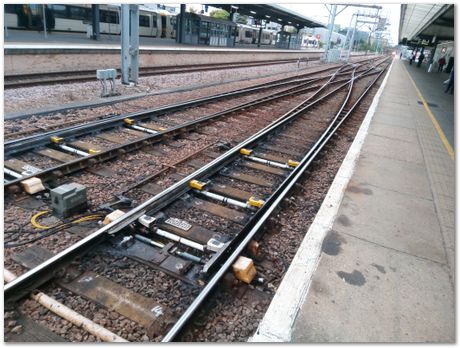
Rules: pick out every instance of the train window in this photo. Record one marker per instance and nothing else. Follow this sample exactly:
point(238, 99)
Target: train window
point(108, 17)
point(59, 11)
point(248, 34)
point(79, 13)
point(144, 21)
point(12, 8)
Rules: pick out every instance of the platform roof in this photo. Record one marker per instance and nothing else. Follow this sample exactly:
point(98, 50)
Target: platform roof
point(426, 21)
point(273, 13)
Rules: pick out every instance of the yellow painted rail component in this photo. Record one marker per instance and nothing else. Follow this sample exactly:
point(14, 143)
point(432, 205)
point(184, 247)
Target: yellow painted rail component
point(92, 151)
point(292, 163)
point(246, 152)
point(199, 185)
point(129, 121)
point(254, 202)
point(57, 140)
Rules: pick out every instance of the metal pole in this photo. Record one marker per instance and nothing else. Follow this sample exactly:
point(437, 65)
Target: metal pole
point(348, 33)
point(331, 29)
point(44, 22)
point(5, 25)
point(181, 34)
point(125, 44)
point(96, 22)
point(260, 35)
point(134, 43)
point(352, 38)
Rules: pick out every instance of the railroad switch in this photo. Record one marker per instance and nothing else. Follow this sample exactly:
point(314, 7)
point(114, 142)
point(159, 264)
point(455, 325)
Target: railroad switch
point(68, 199)
point(292, 163)
point(244, 269)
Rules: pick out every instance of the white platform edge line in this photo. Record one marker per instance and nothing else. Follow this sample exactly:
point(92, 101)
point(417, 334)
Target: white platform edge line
point(277, 323)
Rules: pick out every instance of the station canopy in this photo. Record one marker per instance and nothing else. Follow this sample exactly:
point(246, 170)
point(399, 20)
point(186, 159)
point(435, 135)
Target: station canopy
point(273, 13)
point(427, 23)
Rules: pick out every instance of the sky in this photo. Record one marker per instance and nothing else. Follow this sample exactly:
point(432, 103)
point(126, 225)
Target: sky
point(320, 13)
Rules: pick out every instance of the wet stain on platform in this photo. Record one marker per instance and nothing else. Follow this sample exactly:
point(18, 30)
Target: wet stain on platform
point(344, 220)
point(353, 278)
point(332, 242)
point(357, 189)
point(380, 268)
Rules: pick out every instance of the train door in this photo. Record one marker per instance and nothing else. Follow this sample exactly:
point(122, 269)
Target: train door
point(163, 26)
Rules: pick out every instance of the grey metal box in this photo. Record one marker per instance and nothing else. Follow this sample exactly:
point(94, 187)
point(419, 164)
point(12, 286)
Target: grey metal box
point(105, 74)
point(68, 199)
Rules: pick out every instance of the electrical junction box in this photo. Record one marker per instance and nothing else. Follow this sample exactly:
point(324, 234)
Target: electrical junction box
point(68, 199)
point(106, 74)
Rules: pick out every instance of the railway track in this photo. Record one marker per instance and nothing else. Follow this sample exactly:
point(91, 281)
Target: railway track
point(130, 132)
point(16, 81)
point(210, 216)
point(278, 83)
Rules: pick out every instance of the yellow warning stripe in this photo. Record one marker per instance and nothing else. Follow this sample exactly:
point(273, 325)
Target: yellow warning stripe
point(436, 125)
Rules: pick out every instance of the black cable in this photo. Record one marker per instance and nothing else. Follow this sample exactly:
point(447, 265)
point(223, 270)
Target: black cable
point(46, 233)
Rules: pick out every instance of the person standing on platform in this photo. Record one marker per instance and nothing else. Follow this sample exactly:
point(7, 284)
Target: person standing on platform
point(441, 62)
point(450, 84)
point(421, 57)
point(412, 57)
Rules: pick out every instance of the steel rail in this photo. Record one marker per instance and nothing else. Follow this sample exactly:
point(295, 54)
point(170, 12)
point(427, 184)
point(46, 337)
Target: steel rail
point(23, 144)
point(13, 81)
point(35, 277)
point(283, 191)
point(17, 145)
point(84, 162)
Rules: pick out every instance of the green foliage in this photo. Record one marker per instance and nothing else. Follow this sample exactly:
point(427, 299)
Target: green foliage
point(220, 14)
point(242, 20)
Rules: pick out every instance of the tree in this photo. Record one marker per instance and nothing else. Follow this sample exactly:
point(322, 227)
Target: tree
point(242, 20)
point(220, 14)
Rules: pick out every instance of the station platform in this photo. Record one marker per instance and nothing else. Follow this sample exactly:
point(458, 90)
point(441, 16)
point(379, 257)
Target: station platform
point(378, 262)
point(23, 40)
point(69, 52)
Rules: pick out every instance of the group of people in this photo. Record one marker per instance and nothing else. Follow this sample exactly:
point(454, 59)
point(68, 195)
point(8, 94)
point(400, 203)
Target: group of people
point(441, 63)
point(421, 57)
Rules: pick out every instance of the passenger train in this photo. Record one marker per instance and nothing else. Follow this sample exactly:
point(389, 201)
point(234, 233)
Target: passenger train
point(77, 18)
point(250, 35)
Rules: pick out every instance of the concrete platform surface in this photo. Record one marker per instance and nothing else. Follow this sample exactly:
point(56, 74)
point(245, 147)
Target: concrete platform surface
point(378, 266)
